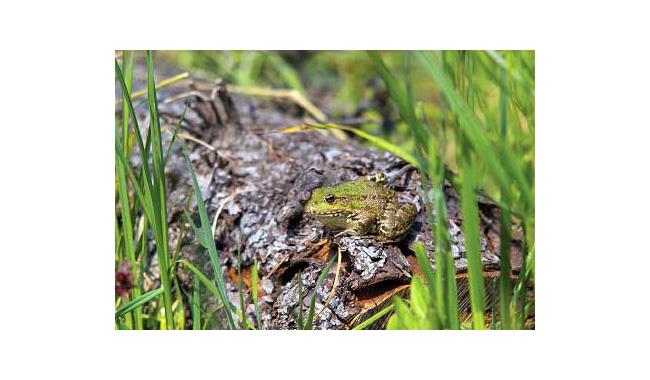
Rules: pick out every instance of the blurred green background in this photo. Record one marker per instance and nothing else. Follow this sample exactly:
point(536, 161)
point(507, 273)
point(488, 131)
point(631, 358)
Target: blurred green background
point(498, 86)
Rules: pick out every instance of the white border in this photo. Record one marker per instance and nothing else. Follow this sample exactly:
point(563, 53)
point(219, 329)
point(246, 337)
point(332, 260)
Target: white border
point(591, 186)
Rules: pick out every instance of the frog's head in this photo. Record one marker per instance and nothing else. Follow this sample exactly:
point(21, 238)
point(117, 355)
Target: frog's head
point(338, 201)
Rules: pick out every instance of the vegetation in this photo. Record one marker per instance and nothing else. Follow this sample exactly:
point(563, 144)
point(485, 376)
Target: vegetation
point(470, 113)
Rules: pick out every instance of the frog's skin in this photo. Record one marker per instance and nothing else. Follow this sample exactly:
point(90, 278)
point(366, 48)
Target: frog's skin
point(362, 207)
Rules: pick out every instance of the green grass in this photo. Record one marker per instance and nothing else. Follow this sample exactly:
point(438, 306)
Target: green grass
point(196, 304)
point(309, 323)
point(150, 200)
point(149, 188)
point(492, 160)
point(470, 113)
point(472, 241)
point(205, 237)
point(306, 322)
point(126, 236)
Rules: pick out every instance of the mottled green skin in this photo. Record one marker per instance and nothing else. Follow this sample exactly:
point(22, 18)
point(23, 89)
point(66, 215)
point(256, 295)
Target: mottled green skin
point(362, 207)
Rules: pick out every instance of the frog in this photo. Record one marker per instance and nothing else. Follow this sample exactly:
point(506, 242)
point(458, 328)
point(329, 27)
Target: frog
point(362, 207)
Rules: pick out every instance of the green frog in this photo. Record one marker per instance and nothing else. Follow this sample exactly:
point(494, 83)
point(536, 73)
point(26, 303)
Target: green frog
point(362, 207)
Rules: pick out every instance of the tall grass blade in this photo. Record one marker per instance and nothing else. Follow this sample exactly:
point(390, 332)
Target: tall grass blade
point(196, 305)
point(287, 72)
point(469, 207)
point(526, 274)
point(451, 293)
point(159, 194)
point(209, 240)
point(210, 286)
point(501, 163)
point(438, 318)
point(505, 285)
point(398, 95)
point(127, 233)
point(138, 135)
point(446, 289)
point(118, 242)
point(128, 62)
point(123, 194)
point(149, 195)
point(140, 194)
point(442, 285)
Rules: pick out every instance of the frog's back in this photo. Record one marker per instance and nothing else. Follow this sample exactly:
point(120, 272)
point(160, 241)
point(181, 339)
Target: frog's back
point(376, 192)
point(355, 195)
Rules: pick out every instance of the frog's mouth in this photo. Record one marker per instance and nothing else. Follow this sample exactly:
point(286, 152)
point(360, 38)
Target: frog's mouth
point(328, 214)
point(334, 220)
point(332, 214)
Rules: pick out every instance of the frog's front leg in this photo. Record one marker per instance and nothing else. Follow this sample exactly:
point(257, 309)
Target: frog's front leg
point(360, 224)
point(396, 221)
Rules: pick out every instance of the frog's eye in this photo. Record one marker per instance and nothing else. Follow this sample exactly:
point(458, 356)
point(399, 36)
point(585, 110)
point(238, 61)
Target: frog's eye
point(329, 198)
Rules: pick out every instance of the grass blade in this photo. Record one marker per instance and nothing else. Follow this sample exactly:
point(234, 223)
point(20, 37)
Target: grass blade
point(127, 233)
point(138, 302)
point(501, 163)
point(159, 194)
point(505, 285)
point(138, 135)
point(140, 194)
point(196, 305)
point(209, 240)
point(203, 279)
point(375, 317)
point(402, 318)
point(432, 283)
point(399, 96)
point(149, 195)
point(212, 288)
point(122, 326)
point(128, 62)
point(242, 305)
point(122, 189)
point(469, 207)
point(446, 290)
point(442, 285)
point(374, 140)
point(312, 306)
point(287, 73)
point(300, 322)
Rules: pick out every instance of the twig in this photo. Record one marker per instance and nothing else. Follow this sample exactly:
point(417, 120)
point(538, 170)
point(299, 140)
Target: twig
point(191, 138)
point(162, 83)
point(221, 206)
point(187, 94)
point(293, 95)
